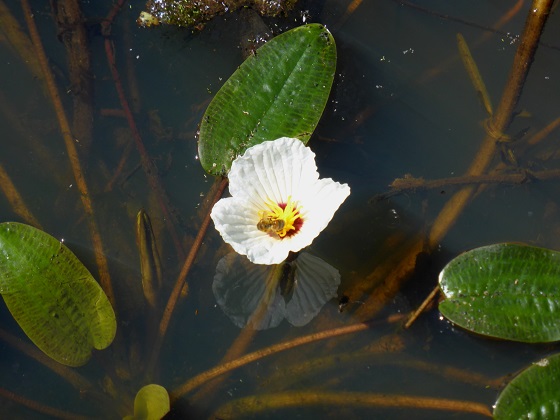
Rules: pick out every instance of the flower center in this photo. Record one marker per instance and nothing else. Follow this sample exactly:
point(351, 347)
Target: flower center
point(282, 219)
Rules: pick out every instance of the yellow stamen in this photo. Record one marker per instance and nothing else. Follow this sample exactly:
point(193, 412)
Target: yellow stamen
point(279, 220)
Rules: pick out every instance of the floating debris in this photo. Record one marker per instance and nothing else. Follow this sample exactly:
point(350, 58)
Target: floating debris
point(196, 13)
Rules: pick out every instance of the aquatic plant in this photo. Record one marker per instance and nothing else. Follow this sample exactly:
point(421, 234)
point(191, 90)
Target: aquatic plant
point(163, 335)
point(278, 204)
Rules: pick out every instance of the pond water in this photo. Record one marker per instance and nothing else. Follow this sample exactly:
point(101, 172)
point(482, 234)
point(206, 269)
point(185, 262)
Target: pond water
point(402, 103)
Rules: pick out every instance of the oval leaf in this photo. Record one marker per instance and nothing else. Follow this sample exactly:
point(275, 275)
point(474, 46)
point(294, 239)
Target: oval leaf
point(508, 291)
point(52, 296)
point(533, 394)
point(280, 91)
point(151, 403)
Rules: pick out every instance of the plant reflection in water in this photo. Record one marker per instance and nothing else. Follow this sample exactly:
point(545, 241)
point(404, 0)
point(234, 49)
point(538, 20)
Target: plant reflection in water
point(261, 296)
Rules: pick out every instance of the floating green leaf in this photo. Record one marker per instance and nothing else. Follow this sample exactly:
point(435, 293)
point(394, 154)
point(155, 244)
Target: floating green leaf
point(280, 91)
point(533, 394)
point(52, 296)
point(151, 403)
point(508, 291)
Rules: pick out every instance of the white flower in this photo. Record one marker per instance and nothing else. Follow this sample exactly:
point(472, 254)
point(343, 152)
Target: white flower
point(278, 203)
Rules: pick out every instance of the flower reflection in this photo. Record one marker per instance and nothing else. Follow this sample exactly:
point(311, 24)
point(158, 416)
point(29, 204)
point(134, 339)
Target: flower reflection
point(262, 295)
point(278, 202)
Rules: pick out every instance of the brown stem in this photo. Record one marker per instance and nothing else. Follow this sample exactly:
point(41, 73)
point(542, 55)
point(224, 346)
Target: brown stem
point(257, 404)
point(406, 184)
point(451, 373)
point(79, 382)
point(389, 276)
point(496, 126)
point(118, 171)
point(16, 200)
point(474, 73)
point(40, 408)
point(176, 292)
point(378, 352)
point(147, 164)
point(216, 371)
point(539, 136)
point(441, 67)
point(29, 139)
point(421, 308)
point(500, 121)
point(19, 41)
point(72, 32)
point(100, 259)
point(444, 16)
point(246, 335)
point(108, 21)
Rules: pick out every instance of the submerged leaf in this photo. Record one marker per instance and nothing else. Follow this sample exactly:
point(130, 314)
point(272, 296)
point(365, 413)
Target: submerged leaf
point(533, 394)
point(52, 296)
point(508, 291)
point(280, 91)
point(151, 403)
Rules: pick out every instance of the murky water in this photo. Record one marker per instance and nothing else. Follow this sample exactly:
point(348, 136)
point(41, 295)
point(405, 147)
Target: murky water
point(402, 103)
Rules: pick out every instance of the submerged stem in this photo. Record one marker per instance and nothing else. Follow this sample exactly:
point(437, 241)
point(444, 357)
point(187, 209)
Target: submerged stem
point(148, 165)
point(84, 388)
point(66, 132)
point(16, 200)
point(176, 292)
point(496, 126)
point(216, 371)
point(40, 408)
point(247, 334)
point(501, 119)
point(261, 403)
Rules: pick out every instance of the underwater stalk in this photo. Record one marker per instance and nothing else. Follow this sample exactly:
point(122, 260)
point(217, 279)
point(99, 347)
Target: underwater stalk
point(246, 335)
point(495, 128)
point(203, 377)
point(176, 292)
point(100, 259)
point(269, 402)
point(498, 124)
point(16, 200)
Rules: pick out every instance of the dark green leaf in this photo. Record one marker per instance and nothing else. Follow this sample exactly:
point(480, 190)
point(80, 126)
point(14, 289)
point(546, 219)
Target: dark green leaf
point(52, 296)
point(280, 91)
point(533, 394)
point(507, 291)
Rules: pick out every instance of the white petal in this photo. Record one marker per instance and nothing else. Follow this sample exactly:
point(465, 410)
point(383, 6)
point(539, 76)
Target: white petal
point(320, 203)
point(236, 221)
point(272, 170)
